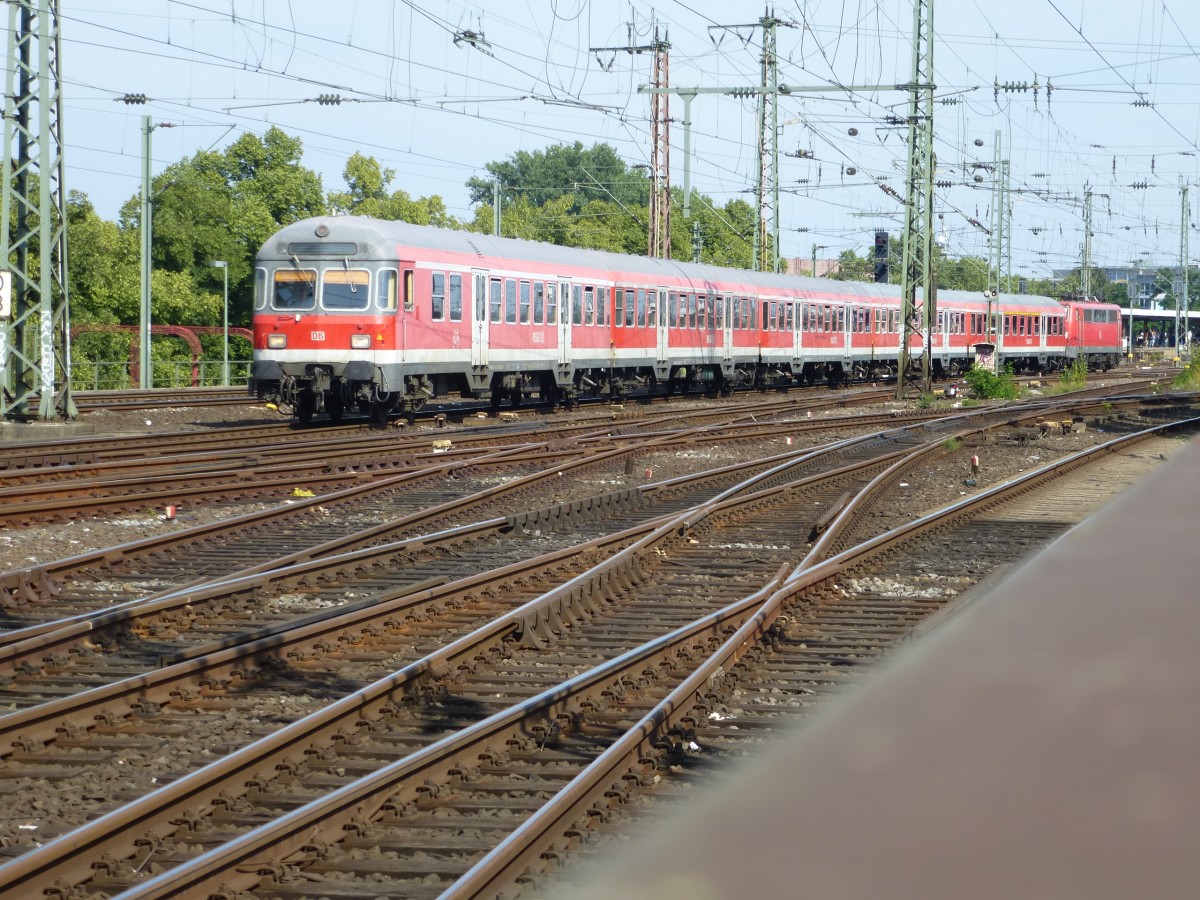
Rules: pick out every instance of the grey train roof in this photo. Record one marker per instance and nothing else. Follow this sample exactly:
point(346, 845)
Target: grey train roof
point(384, 231)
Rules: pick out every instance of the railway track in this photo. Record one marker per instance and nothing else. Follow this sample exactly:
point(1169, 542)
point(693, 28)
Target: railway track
point(477, 767)
point(354, 576)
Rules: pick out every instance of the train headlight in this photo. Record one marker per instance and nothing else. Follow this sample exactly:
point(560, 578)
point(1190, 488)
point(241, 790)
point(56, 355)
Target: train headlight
point(276, 341)
point(360, 341)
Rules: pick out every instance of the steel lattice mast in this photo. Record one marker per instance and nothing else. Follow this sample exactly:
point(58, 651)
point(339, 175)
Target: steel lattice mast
point(35, 344)
point(918, 202)
point(660, 152)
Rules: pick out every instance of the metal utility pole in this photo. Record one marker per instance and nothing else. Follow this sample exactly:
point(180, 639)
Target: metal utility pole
point(1085, 273)
point(145, 372)
point(659, 228)
point(917, 258)
point(35, 337)
point(996, 236)
point(1000, 236)
point(660, 153)
point(1182, 304)
point(496, 208)
point(768, 148)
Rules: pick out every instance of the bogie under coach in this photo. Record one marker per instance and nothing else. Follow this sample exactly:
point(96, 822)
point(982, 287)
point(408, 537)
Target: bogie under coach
point(380, 316)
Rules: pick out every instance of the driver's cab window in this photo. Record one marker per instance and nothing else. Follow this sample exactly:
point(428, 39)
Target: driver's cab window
point(294, 289)
point(345, 288)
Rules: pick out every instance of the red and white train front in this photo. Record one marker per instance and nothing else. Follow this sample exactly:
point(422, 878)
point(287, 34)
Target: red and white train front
point(330, 298)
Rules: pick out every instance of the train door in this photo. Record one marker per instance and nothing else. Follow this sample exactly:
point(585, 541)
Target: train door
point(727, 328)
point(479, 320)
point(661, 325)
point(796, 308)
point(565, 311)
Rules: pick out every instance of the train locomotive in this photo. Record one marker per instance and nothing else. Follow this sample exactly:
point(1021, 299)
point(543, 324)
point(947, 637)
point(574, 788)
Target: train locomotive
point(354, 313)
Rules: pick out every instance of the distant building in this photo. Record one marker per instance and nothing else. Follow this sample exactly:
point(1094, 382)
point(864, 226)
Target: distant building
point(802, 265)
point(1139, 283)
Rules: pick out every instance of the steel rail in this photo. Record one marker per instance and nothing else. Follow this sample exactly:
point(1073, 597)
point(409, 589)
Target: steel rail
point(524, 851)
point(530, 620)
point(239, 864)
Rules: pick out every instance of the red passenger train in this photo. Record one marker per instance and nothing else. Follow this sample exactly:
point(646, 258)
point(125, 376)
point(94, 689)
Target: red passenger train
point(352, 312)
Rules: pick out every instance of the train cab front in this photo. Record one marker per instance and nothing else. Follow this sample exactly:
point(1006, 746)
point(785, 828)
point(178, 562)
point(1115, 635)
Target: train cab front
point(324, 325)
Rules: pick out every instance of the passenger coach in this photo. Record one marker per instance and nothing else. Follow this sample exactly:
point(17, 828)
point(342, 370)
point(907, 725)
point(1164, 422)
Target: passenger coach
point(377, 315)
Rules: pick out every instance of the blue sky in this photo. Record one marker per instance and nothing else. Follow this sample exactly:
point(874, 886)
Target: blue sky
point(1122, 117)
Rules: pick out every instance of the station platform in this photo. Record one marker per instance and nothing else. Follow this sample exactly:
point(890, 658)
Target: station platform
point(1044, 742)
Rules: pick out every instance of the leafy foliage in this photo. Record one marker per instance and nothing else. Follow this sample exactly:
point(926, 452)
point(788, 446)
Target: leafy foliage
point(367, 195)
point(563, 170)
point(1189, 378)
point(1075, 375)
point(987, 385)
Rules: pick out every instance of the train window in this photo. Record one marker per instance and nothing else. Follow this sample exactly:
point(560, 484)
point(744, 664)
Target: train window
point(552, 304)
point(437, 297)
point(1037, 325)
point(589, 305)
point(672, 309)
point(630, 307)
point(601, 305)
point(496, 299)
point(525, 295)
point(716, 312)
point(456, 297)
point(769, 308)
point(619, 312)
point(260, 288)
point(510, 301)
point(839, 318)
point(576, 305)
point(410, 294)
point(345, 288)
point(539, 302)
point(385, 290)
point(691, 310)
point(652, 309)
point(295, 289)
point(788, 316)
point(641, 307)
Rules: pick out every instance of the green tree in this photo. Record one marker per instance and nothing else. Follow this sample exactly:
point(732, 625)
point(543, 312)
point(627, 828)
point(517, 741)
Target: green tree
point(1072, 284)
point(223, 205)
point(563, 169)
point(964, 273)
point(367, 194)
point(102, 266)
point(852, 267)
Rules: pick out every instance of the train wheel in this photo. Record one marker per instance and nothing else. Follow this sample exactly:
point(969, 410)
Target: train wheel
point(306, 405)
